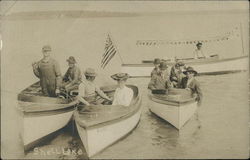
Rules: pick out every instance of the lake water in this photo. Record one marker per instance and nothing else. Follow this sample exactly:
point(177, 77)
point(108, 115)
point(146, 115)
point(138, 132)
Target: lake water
point(218, 130)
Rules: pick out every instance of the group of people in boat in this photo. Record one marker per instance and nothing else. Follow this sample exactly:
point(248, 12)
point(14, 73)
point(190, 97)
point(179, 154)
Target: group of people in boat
point(180, 76)
point(53, 83)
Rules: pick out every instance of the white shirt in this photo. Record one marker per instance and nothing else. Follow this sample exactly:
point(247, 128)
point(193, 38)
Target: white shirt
point(123, 96)
point(199, 53)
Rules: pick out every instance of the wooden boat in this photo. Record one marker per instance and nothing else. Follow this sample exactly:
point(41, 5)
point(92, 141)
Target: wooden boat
point(42, 116)
point(176, 107)
point(204, 66)
point(99, 126)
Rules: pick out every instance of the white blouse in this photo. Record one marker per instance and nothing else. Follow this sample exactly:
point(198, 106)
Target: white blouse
point(123, 96)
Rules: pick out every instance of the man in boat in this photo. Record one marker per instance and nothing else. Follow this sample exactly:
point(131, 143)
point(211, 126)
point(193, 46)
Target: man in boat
point(198, 53)
point(123, 95)
point(89, 92)
point(189, 82)
point(72, 77)
point(157, 62)
point(48, 71)
point(161, 79)
point(176, 74)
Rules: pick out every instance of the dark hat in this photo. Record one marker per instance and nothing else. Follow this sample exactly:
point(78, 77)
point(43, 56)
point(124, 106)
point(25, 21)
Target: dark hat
point(157, 61)
point(199, 44)
point(163, 65)
point(46, 48)
point(180, 63)
point(90, 72)
point(120, 76)
point(71, 60)
point(190, 69)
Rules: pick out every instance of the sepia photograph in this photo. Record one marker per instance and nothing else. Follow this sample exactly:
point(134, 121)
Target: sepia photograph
point(124, 79)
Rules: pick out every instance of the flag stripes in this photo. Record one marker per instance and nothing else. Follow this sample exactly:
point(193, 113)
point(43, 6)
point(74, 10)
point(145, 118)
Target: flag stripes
point(109, 52)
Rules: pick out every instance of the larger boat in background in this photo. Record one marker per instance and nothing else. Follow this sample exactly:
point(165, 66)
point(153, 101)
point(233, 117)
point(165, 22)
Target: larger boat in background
point(99, 126)
point(204, 66)
point(42, 116)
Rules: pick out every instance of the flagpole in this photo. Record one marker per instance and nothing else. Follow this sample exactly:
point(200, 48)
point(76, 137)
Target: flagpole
point(115, 47)
point(242, 43)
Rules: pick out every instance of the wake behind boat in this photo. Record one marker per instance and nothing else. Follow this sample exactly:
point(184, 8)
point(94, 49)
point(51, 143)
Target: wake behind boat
point(42, 116)
point(176, 107)
point(99, 126)
point(204, 66)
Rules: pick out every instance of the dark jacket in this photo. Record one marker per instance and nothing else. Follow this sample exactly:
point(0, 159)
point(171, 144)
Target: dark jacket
point(194, 86)
point(176, 76)
point(73, 75)
point(159, 82)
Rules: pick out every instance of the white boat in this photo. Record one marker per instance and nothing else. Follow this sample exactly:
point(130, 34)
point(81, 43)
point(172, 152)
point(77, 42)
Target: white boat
point(99, 126)
point(177, 107)
point(42, 116)
point(206, 66)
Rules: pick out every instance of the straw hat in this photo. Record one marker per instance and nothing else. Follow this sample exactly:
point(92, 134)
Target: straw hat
point(71, 60)
point(180, 63)
point(120, 76)
point(190, 70)
point(90, 72)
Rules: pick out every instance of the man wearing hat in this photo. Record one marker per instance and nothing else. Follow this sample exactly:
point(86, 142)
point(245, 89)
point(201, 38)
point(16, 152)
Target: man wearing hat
point(48, 71)
point(157, 62)
point(72, 77)
point(189, 82)
point(123, 95)
point(198, 53)
point(176, 74)
point(161, 79)
point(89, 92)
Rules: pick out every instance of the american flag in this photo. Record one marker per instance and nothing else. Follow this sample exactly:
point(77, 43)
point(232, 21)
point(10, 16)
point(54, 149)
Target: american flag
point(109, 52)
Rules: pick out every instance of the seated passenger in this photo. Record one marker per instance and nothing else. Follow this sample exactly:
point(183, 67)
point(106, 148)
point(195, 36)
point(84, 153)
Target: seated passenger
point(191, 83)
point(161, 79)
point(198, 52)
point(157, 62)
point(89, 92)
point(176, 74)
point(123, 95)
point(72, 77)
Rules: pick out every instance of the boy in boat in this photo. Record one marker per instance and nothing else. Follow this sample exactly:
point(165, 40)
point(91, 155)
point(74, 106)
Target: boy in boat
point(157, 62)
point(72, 77)
point(89, 92)
point(123, 95)
point(161, 79)
point(176, 74)
point(48, 71)
point(198, 53)
point(189, 82)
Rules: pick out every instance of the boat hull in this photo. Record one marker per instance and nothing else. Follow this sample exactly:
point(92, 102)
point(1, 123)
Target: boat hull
point(212, 67)
point(97, 139)
point(175, 113)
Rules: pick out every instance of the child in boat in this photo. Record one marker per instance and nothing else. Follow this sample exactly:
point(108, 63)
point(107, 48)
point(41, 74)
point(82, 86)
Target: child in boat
point(189, 82)
point(157, 62)
point(161, 79)
point(89, 92)
point(123, 95)
point(176, 74)
point(72, 77)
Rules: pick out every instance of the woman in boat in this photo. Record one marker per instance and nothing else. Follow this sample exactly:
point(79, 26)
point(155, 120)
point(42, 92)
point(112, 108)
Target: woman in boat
point(189, 82)
point(157, 62)
point(48, 71)
point(72, 77)
point(161, 79)
point(176, 74)
point(198, 53)
point(123, 95)
point(89, 92)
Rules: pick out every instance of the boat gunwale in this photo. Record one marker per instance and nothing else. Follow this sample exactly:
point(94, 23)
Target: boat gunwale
point(200, 62)
point(136, 103)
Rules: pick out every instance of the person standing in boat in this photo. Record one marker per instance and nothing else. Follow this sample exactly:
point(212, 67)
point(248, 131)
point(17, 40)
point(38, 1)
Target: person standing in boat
point(72, 77)
point(189, 82)
point(48, 71)
point(89, 92)
point(157, 62)
point(123, 95)
point(176, 74)
point(198, 53)
point(161, 79)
